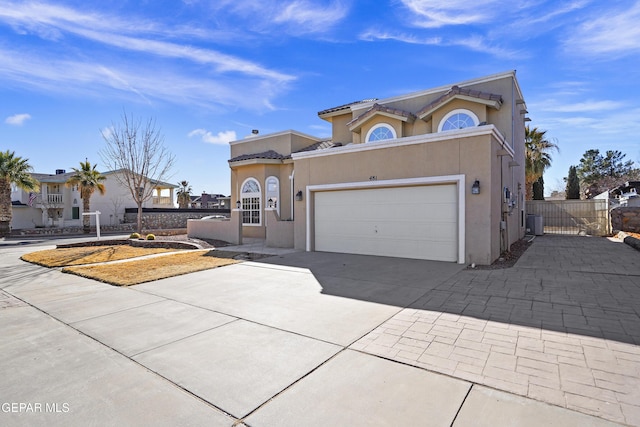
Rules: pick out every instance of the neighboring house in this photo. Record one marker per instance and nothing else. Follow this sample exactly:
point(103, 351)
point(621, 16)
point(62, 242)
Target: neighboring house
point(625, 195)
point(59, 205)
point(436, 174)
point(557, 195)
point(210, 201)
point(54, 205)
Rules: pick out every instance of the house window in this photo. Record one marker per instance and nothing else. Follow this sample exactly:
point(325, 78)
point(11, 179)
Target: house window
point(250, 199)
point(380, 132)
point(272, 193)
point(458, 119)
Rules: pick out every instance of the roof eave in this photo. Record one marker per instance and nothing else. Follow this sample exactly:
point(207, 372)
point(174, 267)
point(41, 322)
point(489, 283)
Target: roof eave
point(238, 163)
point(426, 115)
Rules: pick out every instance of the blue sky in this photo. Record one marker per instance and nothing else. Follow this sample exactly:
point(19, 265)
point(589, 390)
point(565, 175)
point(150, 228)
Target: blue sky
point(211, 71)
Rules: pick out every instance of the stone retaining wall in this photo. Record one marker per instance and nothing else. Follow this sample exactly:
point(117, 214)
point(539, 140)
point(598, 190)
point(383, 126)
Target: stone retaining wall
point(71, 231)
point(626, 219)
point(165, 219)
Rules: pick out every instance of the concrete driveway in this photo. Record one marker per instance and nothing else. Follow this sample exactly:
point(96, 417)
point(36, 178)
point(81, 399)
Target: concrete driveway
point(325, 339)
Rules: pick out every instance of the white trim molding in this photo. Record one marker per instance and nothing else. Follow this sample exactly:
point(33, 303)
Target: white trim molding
point(458, 180)
point(411, 140)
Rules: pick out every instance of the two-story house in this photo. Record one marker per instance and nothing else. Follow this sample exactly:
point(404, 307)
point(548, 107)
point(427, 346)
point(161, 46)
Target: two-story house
point(57, 204)
point(437, 174)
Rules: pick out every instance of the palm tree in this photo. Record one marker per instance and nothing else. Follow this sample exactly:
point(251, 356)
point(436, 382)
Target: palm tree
point(13, 170)
point(537, 157)
point(184, 194)
point(88, 180)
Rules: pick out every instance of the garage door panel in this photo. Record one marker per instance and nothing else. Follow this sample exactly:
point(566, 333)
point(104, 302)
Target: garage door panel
point(409, 222)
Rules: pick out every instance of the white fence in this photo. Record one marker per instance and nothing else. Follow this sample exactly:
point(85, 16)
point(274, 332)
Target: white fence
point(583, 217)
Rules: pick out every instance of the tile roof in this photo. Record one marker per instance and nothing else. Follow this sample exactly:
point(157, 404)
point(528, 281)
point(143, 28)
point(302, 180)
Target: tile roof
point(273, 155)
point(322, 145)
point(52, 178)
point(345, 106)
point(456, 90)
point(381, 108)
point(270, 155)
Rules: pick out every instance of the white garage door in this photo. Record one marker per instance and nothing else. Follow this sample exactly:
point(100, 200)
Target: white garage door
point(407, 222)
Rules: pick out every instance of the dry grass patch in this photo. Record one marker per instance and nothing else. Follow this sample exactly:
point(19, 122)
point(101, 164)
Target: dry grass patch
point(146, 270)
point(88, 255)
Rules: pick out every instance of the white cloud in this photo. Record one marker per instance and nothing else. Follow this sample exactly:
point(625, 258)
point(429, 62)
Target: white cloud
point(52, 22)
point(17, 119)
point(296, 17)
point(612, 32)
point(476, 43)
point(374, 34)
point(438, 13)
point(223, 137)
point(588, 106)
point(142, 81)
point(308, 17)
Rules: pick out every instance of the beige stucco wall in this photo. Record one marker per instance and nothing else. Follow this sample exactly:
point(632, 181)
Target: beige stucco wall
point(282, 142)
point(339, 130)
point(473, 157)
point(279, 233)
point(260, 172)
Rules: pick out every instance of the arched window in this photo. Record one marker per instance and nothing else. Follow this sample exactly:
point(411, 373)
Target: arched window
point(250, 198)
point(380, 132)
point(458, 119)
point(272, 193)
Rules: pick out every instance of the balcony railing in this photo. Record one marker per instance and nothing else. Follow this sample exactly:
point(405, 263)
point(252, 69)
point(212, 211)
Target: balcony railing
point(162, 200)
point(54, 199)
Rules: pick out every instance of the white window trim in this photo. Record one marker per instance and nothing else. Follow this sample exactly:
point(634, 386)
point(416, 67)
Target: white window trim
point(252, 195)
point(267, 194)
point(381, 125)
point(469, 113)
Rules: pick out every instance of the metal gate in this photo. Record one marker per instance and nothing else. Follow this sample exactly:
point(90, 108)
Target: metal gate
point(580, 217)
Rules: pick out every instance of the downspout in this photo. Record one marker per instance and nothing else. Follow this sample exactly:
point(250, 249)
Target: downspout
point(293, 173)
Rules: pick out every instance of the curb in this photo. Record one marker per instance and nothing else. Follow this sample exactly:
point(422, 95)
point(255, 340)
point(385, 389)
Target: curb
point(629, 240)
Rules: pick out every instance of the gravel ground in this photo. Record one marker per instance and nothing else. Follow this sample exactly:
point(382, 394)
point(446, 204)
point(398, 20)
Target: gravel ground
point(509, 258)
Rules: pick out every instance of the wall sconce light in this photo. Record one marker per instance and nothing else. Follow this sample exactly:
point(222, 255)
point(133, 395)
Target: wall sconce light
point(238, 204)
point(299, 196)
point(475, 188)
point(270, 203)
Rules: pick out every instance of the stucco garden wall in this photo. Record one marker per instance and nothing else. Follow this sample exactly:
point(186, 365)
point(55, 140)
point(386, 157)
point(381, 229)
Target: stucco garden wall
point(218, 229)
point(279, 233)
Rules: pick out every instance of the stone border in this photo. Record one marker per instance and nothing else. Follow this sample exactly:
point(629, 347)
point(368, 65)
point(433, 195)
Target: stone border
point(140, 243)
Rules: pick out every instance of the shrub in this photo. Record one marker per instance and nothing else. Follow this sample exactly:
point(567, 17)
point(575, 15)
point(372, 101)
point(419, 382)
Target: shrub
point(151, 237)
point(134, 236)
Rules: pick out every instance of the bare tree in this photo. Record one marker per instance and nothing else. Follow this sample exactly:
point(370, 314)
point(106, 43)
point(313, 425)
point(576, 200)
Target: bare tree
point(117, 203)
point(136, 151)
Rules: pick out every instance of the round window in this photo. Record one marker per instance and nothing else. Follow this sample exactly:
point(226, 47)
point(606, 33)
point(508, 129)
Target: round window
point(458, 119)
